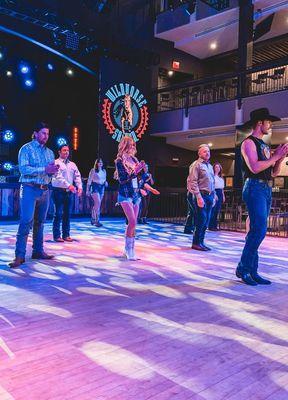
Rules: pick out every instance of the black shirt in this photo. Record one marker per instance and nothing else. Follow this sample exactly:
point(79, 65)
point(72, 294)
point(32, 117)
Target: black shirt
point(263, 153)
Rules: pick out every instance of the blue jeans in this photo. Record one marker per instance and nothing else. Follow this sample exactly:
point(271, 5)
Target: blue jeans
point(34, 203)
point(62, 208)
point(189, 224)
point(257, 196)
point(202, 217)
point(216, 210)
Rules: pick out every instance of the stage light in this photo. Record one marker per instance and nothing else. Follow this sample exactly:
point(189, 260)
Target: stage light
point(9, 74)
point(24, 69)
point(210, 144)
point(170, 73)
point(8, 136)
point(7, 166)
point(69, 72)
point(61, 141)
point(1, 55)
point(28, 83)
point(50, 67)
point(213, 46)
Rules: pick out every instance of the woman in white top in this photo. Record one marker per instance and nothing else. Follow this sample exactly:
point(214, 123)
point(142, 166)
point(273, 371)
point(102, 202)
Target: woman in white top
point(95, 187)
point(219, 188)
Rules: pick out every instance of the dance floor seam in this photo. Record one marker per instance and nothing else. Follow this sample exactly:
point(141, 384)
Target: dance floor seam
point(175, 324)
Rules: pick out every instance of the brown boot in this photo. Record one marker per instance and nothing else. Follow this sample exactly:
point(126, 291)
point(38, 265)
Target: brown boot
point(16, 262)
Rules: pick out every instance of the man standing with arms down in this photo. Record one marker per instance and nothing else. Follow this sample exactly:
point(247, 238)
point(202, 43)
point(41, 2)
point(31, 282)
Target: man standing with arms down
point(259, 168)
point(201, 183)
point(36, 165)
point(63, 187)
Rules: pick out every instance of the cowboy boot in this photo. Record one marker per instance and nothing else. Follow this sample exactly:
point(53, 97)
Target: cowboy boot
point(129, 248)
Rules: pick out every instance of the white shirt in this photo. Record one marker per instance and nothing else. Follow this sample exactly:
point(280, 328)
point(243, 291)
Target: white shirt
point(67, 174)
point(97, 177)
point(219, 182)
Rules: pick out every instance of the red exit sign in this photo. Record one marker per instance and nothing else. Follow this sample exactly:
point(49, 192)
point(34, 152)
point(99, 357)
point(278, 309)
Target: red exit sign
point(175, 64)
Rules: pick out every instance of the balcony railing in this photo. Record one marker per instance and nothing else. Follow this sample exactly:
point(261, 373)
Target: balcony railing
point(223, 88)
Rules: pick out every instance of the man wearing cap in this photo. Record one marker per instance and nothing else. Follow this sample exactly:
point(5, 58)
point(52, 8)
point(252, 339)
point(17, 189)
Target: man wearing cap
point(201, 184)
point(36, 166)
point(259, 168)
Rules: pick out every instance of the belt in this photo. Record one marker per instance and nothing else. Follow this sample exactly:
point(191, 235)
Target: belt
point(268, 182)
point(37, 185)
point(206, 192)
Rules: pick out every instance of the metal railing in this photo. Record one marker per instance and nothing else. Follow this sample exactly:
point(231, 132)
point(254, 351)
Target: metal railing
point(171, 207)
point(260, 80)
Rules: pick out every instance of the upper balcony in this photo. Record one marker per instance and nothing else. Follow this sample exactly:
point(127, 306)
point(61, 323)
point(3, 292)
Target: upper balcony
point(207, 109)
point(208, 32)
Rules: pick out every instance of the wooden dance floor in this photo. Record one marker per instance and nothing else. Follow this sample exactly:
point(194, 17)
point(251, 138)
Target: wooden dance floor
point(175, 325)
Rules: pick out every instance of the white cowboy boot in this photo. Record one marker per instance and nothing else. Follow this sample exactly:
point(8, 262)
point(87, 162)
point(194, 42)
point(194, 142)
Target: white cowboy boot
point(129, 248)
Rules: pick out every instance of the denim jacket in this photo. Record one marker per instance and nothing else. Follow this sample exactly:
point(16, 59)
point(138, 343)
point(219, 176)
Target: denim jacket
point(125, 180)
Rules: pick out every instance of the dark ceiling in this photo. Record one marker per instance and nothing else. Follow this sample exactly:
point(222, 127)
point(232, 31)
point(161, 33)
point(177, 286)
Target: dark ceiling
point(117, 26)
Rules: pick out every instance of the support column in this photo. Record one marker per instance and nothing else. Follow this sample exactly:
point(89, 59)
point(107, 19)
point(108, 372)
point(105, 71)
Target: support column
point(245, 60)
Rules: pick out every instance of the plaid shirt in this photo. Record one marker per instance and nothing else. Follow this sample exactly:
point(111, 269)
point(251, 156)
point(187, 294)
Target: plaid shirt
point(32, 160)
point(125, 180)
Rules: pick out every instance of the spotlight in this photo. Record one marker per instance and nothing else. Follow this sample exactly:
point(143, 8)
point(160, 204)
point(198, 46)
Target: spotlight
point(8, 136)
point(213, 46)
point(7, 166)
point(210, 144)
point(24, 69)
point(170, 73)
point(9, 74)
point(50, 67)
point(28, 83)
point(61, 141)
point(69, 72)
point(1, 55)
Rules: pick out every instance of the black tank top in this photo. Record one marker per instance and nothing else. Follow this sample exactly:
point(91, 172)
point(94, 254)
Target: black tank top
point(263, 152)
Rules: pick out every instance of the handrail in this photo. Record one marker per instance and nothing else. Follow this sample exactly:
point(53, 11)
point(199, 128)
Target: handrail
point(257, 80)
point(213, 78)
